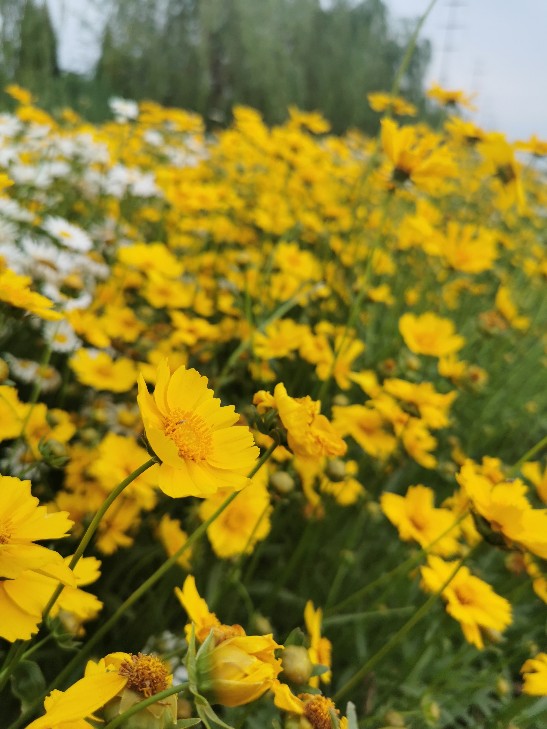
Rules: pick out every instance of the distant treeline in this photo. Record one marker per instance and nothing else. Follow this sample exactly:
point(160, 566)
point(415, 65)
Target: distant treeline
point(207, 55)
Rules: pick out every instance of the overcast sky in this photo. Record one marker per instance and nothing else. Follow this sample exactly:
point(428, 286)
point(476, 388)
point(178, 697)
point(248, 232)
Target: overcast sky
point(496, 48)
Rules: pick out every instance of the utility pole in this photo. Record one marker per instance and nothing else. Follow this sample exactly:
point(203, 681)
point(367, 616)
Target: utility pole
point(449, 44)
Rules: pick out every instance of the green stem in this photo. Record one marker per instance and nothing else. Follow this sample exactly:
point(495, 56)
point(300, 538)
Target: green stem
point(12, 660)
point(138, 593)
point(119, 720)
point(93, 526)
point(410, 50)
point(403, 567)
point(527, 456)
point(356, 617)
point(37, 387)
point(246, 343)
point(398, 636)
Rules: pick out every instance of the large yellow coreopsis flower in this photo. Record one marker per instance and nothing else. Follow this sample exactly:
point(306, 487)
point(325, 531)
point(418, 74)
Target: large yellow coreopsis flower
point(196, 438)
point(116, 682)
point(22, 522)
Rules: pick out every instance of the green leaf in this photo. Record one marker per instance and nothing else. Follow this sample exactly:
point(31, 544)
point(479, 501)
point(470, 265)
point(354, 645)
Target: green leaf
point(183, 723)
point(296, 637)
point(208, 715)
point(319, 669)
point(27, 682)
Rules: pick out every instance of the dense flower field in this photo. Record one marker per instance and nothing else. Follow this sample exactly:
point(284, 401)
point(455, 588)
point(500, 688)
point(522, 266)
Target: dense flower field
point(272, 419)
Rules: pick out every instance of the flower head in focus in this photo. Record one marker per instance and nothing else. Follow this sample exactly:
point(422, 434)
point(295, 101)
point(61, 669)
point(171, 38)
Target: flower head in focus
point(113, 684)
point(200, 447)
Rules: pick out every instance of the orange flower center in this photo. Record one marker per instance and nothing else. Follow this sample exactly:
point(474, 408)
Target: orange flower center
point(318, 711)
point(190, 433)
point(146, 675)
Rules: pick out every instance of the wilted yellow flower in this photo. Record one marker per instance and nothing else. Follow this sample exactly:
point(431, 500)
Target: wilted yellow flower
point(310, 435)
point(200, 447)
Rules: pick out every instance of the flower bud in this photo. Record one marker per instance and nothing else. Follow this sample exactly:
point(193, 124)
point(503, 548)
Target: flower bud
point(282, 482)
point(336, 470)
point(297, 667)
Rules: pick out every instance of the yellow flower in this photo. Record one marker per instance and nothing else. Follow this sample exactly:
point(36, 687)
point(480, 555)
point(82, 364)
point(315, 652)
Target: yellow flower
point(99, 370)
point(469, 600)
point(236, 668)
point(416, 517)
point(505, 507)
point(532, 471)
point(450, 98)
point(508, 310)
point(380, 101)
point(116, 682)
point(367, 427)
point(15, 290)
point(320, 649)
point(23, 96)
point(433, 406)
point(420, 160)
point(243, 523)
point(316, 711)
point(117, 457)
point(200, 448)
point(430, 334)
point(12, 413)
point(22, 522)
point(172, 537)
point(74, 606)
point(239, 669)
point(310, 435)
point(534, 673)
point(469, 248)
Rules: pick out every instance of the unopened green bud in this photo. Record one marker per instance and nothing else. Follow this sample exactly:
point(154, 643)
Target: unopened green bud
point(282, 482)
point(336, 470)
point(297, 667)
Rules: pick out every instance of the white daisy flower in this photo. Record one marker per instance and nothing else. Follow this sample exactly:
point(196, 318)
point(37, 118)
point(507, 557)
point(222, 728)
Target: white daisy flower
point(24, 370)
point(61, 336)
point(123, 109)
point(67, 234)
